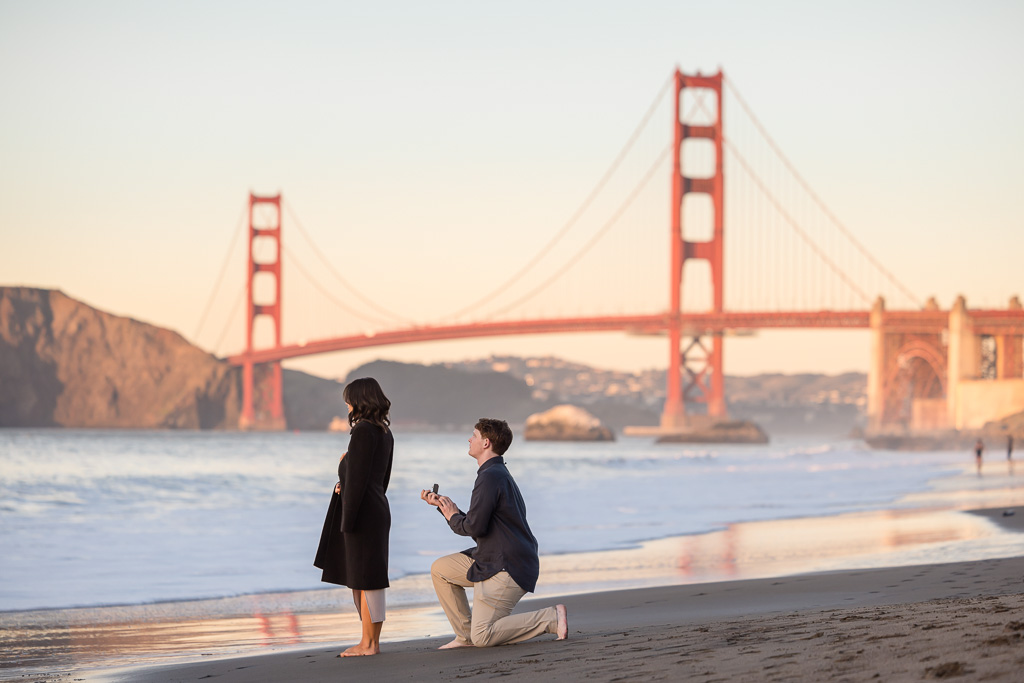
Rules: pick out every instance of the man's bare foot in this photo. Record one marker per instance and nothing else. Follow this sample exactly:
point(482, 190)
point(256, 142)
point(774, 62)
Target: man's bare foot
point(563, 622)
point(454, 644)
point(361, 650)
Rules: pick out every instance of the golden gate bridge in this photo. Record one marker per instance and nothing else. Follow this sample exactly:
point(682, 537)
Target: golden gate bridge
point(795, 264)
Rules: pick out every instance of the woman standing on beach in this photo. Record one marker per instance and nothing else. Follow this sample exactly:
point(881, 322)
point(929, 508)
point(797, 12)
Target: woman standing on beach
point(353, 548)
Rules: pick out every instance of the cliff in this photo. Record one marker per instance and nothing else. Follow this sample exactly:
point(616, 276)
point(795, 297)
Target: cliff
point(66, 364)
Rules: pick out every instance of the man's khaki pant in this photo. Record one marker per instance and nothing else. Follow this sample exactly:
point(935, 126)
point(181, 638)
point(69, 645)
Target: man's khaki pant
point(491, 621)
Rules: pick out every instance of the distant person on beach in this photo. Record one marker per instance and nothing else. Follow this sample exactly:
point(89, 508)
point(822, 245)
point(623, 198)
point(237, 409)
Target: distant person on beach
point(1009, 447)
point(503, 566)
point(979, 447)
point(353, 547)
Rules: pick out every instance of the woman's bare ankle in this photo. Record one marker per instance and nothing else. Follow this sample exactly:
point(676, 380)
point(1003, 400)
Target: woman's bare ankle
point(362, 650)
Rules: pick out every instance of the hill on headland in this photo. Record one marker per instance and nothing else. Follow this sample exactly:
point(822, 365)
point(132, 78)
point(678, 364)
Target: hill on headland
point(446, 398)
point(64, 363)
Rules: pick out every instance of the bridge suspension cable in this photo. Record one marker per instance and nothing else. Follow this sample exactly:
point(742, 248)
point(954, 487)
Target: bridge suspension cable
point(634, 193)
point(293, 260)
point(223, 270)
point(547, 248)
point(597, 236)
point(319, 254)
point(814, 195)
point(235, 309)
point(793, 223)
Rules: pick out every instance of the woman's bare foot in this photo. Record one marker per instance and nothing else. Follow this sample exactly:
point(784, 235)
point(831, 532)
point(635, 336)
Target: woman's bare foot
point(455, 643)
point(563, 622)
point(361, 650)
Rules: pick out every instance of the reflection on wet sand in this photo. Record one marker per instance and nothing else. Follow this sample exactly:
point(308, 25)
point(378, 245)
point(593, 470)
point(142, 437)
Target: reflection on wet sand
point(66, 640)
point(54, 641)
point(758, 549)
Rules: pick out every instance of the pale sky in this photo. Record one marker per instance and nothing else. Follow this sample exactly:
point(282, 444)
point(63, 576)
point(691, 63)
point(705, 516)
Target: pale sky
point(430, 149)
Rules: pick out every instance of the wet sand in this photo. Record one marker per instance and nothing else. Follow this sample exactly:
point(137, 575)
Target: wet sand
point(915, 623)
point(906, 623)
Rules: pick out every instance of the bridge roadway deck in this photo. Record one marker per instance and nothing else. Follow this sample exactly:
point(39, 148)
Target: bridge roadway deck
point(702, 323)
point(985, 322)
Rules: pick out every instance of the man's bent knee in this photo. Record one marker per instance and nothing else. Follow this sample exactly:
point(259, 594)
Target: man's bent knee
point(441, 568)
point(483, 637)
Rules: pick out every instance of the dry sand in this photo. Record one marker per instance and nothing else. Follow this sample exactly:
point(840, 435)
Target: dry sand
point(960, 621)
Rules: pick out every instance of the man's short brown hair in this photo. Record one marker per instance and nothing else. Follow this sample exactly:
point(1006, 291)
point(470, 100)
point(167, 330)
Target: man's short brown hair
point(496, 431)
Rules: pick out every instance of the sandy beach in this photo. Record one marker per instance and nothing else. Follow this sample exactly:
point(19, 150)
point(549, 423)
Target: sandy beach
point(960, 620)
point(907, 623)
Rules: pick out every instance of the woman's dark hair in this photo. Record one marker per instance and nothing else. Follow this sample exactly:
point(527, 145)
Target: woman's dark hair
point(367, 402)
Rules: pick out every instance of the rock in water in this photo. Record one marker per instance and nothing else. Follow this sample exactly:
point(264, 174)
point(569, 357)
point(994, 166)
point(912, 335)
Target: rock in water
point(566, 423)
point(338, 424)
point(710, 431)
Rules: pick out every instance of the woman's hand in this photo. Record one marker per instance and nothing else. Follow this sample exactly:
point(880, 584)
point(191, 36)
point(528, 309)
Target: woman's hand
point(342, 456)
point(337, 487)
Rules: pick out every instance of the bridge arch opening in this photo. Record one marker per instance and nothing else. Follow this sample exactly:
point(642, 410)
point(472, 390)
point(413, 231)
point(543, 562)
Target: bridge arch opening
point(915, 388)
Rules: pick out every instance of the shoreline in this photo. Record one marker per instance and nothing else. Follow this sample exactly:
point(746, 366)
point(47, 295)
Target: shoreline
point(221, 606)
point(159, 639)
point(905, 623)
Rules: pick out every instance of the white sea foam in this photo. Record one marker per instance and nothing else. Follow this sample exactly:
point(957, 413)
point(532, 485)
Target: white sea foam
point(104, 517)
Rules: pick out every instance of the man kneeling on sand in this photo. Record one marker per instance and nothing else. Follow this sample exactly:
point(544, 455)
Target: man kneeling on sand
point(503, 566)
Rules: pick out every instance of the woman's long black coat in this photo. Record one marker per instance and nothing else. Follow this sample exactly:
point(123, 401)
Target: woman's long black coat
point(353, 548)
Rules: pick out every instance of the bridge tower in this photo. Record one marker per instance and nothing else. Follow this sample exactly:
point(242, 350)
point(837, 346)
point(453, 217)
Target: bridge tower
point(264, 410)
point(701, 357)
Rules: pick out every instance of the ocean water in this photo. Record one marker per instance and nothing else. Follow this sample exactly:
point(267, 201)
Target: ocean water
point(93, 518)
